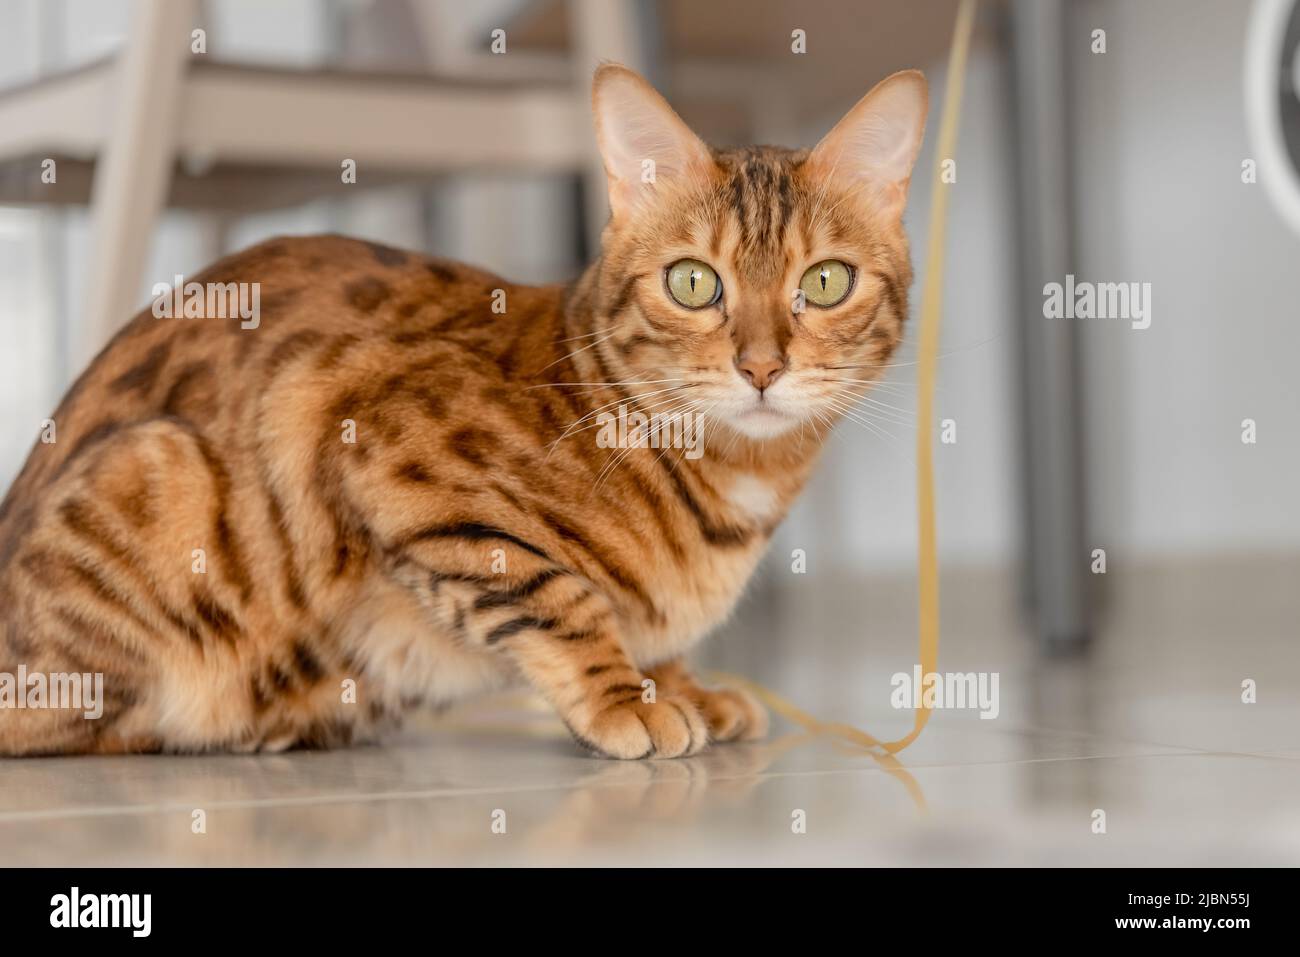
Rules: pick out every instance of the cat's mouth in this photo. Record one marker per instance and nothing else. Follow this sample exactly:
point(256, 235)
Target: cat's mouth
point(762, 409)
point(761, 418)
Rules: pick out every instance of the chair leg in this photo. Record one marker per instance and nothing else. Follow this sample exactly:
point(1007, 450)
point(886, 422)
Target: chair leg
point(623, 31)
point(134, 168)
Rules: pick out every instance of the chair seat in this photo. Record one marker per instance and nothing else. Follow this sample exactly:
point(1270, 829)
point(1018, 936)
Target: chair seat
point(253, 137)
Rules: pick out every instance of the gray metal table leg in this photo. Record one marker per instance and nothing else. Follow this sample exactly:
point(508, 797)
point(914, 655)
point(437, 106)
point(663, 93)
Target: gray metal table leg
point(1056, 548)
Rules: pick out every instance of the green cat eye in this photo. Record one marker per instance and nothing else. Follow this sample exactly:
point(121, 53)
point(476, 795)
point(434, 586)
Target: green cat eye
point(827, 283)
point(693, 284)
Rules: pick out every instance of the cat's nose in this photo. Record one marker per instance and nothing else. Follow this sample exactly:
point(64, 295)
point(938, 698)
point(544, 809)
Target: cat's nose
point(760, 370)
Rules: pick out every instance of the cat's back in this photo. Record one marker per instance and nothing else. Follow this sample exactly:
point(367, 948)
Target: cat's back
point(291, 324)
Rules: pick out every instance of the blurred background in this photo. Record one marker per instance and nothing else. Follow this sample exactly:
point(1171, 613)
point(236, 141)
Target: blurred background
point(1128, 162)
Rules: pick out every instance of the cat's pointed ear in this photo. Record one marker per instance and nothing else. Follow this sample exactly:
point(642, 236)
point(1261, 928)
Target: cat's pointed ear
point(642, 141)
point(878, 140)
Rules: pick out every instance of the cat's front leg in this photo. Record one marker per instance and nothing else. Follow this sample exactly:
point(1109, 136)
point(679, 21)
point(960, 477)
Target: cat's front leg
point(565, 640)
point(732, 714)
point(562, 635)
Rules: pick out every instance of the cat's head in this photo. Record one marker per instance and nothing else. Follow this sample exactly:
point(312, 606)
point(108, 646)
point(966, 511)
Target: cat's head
point(760, 286)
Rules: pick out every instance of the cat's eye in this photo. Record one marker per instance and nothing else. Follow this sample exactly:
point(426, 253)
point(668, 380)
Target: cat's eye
point(693, 284)
point(827, 283)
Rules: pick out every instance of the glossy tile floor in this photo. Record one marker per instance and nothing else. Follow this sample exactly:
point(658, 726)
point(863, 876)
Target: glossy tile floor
point(1150, 728)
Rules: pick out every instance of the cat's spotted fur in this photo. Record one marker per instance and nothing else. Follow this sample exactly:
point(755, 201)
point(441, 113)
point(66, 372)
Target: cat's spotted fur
point(455, 546)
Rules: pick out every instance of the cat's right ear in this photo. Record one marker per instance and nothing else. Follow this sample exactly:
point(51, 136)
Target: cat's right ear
point(642, 141)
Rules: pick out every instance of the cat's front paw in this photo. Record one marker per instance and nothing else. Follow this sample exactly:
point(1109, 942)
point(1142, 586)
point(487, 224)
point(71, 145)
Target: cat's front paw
point(731, 714)
point(668, 727)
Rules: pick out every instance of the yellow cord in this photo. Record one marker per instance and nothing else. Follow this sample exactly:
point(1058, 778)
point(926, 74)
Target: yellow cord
point(931, 313)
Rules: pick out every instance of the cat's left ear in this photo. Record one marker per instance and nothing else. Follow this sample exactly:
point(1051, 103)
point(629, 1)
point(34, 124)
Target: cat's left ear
point(642, 141)
point(876, 143)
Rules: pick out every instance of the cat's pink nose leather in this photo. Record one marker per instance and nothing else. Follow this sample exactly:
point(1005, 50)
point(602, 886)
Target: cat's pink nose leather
point(761, 372)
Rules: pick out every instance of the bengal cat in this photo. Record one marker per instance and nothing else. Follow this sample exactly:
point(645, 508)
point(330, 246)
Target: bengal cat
point(389, 491)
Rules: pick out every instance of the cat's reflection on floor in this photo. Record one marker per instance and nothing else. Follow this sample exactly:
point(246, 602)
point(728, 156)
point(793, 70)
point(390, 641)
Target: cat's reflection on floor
point(418, 799)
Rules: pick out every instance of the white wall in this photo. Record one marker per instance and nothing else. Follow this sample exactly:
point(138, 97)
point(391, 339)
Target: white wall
point(1161, 201)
